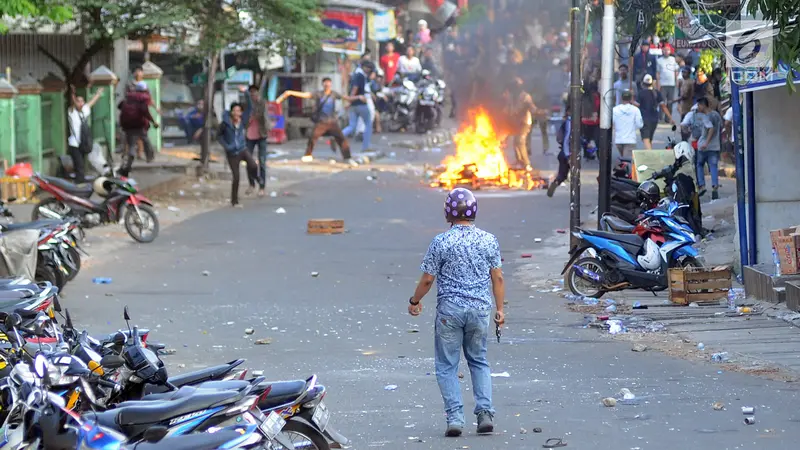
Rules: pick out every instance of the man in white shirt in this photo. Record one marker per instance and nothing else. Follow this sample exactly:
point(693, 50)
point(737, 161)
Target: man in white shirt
point(667, 75)
point(728, 118)
point(409, 64)
point(627, 121)
point(77, 115)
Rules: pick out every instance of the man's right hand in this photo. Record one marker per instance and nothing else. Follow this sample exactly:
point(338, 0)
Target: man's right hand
point(500, 317)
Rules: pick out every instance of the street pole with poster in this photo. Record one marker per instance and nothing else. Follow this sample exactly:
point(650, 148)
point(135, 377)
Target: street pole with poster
point(606, 105)
point(575, 117)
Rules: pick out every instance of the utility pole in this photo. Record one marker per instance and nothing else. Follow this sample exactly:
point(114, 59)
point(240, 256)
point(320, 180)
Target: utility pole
point(575, 117)
point(606, 104)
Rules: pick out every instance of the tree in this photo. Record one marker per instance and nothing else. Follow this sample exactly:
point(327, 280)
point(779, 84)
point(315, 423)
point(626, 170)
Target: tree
point(287, 26)
point(786, 48)
point(55, 10)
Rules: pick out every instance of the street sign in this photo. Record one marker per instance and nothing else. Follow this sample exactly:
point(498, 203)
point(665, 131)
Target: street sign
point(686, 31)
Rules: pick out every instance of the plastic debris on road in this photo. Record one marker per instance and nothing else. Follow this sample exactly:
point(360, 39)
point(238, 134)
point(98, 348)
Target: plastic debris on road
point(315, 274)
point(701, 346)
point(526, 255)
point(609, 402)
point(249, 331)
point(718, 406)
point(390, 387)
point(639, 348)
point(273, 194)
point(206, 273)
point(280, 211)
point(501, 375)
point(173, 208)
point(265, 341)
point(100, 280)
point(611, 308)
point(537, 240)
point(615, 326)
point(720, 357)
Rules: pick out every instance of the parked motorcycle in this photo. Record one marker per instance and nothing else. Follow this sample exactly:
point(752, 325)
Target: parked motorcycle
point(627, 261)
point(121, 201)
point(404, 104)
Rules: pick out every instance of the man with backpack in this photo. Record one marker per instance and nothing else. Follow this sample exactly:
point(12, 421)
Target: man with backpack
point(80, 134)
point(135, 120)
point(325, 119)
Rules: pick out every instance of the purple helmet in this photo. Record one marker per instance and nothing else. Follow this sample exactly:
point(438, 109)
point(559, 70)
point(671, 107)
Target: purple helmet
point(460, 205)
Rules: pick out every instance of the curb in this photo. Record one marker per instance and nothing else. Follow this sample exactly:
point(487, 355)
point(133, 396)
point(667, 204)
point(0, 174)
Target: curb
point(170, 185)
point(439, 137)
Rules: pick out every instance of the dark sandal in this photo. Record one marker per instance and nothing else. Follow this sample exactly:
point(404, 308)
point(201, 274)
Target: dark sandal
point(554, 443)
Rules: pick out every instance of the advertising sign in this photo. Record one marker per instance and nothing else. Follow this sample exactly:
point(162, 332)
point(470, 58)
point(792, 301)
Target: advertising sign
point(351, 24)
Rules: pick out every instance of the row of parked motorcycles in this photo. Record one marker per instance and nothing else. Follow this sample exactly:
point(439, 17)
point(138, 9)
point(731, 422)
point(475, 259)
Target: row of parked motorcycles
point(49, 248)
point(64, 389)
point(647, 232)
point(412, 102)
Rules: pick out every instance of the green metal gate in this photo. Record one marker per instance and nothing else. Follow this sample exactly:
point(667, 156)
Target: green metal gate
point(22, 127)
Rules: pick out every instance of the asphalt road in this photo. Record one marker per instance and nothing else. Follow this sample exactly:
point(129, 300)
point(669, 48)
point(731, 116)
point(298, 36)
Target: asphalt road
point(350, 324)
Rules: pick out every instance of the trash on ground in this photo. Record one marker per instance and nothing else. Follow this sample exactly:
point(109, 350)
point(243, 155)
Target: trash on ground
point(718, 406)
point(315, 274)
point(501, 375)
point(560, 231)
point(744, 310)
point(626, 394)
point(720, 357)
point(554, 443)
point(206, 273)
point(173, 208)
point(371, 178)
point(611, 308)
point(749, 420)
point(694, 305)
point(748, 410)
point(167, 351)
point(99, 280)
point(609, 402)
point(639, 348)
point(537, 430)
point(537, 240)
point(280, 211)
point(273, 194)
point(258, 373)
point(390, 387)
point(615, 327)
point(249, 331)
point(701, 346)
point(265, 341)
point(526, 255)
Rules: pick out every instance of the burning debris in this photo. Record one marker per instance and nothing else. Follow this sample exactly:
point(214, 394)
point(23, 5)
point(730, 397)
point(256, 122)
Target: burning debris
point(479, 161)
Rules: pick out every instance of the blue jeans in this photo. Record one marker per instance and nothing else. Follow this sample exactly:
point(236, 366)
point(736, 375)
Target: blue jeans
point(712, 158)
point(458, 328)
point(362, 112)
point(262, 159)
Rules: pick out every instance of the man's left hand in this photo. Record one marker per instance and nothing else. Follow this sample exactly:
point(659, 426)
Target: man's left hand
point(415, 310)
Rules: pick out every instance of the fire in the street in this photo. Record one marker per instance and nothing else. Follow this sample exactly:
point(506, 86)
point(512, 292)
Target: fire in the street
point(479, 160)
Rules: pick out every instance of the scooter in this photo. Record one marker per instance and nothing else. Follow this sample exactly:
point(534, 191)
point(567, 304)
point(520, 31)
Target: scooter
point(627, 261)
point(124, 202)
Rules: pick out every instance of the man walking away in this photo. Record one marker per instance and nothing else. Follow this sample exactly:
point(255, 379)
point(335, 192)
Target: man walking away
point(562, 137)
point(325, 119)
point(466, 265)
point(650, 102)
point(231, 136)
point(258, 125)
point(686, 99)
point(643, 64)
point(708, 148)
point(135, 120)
point(80, 138)
point(627, 120)
point(359, 109)
point(621, 85)
point(667, 76)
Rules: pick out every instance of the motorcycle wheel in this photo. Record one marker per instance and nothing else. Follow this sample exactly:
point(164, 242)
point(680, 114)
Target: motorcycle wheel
point(578, 285)
point(46, 272)
point(302, 436)
point(689, 262)
point(135, 227)
point(52, 204)
point(75, 258)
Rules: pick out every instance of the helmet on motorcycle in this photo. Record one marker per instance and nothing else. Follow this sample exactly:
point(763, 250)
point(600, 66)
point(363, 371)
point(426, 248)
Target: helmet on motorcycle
point(649, 192)
point(102, 186)
point(651, 259)
point(460, 205)
point(683, 149)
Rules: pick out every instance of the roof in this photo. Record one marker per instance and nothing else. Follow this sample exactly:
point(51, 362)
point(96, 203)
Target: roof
point(358, 4)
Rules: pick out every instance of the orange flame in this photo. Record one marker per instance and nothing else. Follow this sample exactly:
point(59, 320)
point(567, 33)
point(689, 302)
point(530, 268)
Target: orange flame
point(477, 145)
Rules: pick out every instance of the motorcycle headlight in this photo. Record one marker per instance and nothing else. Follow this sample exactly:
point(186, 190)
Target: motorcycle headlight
point(56, 376)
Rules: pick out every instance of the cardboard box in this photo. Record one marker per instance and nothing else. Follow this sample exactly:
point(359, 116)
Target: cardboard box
point(786, 242)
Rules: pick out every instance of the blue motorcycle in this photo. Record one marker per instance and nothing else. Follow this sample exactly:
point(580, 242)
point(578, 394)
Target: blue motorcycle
point(605, 262)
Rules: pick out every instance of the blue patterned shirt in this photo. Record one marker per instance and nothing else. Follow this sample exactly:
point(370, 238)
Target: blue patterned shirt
point(461, 259)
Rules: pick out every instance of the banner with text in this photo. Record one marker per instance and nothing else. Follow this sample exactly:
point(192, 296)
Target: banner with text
point(382, 25)
point(351, 23)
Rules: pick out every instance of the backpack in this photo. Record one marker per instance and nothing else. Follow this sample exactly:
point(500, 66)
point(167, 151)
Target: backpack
point(561, 133)
point(85, 139)
point(130, 116)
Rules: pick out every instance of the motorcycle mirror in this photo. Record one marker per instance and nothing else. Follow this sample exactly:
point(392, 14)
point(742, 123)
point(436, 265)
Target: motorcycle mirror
point(13, 320)
point(112, 361)
point(119, 338)
point(125, 314)
point(69, 321)
point(56, 304)
point(155, 434)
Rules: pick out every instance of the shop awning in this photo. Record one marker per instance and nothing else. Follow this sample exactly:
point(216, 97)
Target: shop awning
point(358, 4)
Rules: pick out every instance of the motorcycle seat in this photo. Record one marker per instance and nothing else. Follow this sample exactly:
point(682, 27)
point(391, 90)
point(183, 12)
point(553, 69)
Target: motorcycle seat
point(39, 224)
point(283, 392)
point(631, 239)
point(81, 190)
point(145, 412)
point(617, 224)
point(199, 441)
point(199, 376)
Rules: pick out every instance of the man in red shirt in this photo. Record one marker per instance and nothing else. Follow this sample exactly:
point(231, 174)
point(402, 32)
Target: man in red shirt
point(389, 63)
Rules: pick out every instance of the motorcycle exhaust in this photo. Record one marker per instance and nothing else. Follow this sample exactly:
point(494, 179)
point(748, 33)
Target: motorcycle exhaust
point(586, 274)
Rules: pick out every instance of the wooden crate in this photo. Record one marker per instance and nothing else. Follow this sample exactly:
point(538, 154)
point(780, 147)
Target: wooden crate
point(699, 285)
point(20, 189)
point(325, 226)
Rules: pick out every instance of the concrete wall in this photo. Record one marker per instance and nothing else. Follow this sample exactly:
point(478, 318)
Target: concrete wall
point(777, 164)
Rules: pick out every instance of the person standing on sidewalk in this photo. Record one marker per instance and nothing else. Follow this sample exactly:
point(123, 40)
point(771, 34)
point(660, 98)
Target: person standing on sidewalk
point(466, 265)
point(389, 62)
point(231, 136)
point(627, 120)
point(708, 148)
point(667, 76)
point(326, 121)
point(135, 120)
point(258, 126)
point(562, 137)
point(359, 108)
point(79, 142)
point(650, 102)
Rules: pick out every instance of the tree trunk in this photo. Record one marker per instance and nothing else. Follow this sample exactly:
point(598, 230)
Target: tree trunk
point(205, 146)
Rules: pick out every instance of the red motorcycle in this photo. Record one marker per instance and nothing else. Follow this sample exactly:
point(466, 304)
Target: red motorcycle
point(121, 201)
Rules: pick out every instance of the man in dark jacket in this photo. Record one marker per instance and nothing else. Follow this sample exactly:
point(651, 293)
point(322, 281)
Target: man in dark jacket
point(644, 64)
point(135, 120)
point(258, 126)
point(231, 136)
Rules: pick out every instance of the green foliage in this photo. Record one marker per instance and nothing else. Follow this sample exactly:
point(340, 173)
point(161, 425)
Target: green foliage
point(665, 20)
point(57, 11)
point(786, 48)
